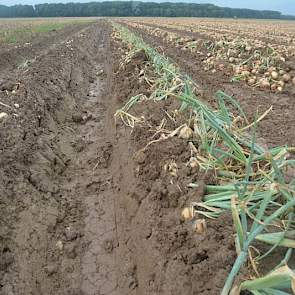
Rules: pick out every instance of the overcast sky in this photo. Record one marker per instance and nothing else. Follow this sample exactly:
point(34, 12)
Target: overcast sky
point(285, 6)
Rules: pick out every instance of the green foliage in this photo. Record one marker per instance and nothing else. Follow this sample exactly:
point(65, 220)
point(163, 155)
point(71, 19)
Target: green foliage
point(26, 30)
point(134, 8)
point(20, 34)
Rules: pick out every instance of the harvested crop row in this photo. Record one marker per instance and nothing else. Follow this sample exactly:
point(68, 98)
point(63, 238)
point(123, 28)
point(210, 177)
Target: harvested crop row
point(251, 181)
point(272, 32)
point(250, 60)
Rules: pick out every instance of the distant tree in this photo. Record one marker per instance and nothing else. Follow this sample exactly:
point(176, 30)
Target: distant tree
point(134, 8)
point(17, 11)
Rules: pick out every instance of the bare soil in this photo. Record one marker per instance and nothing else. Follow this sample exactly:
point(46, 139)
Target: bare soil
point(82, 211)
point(16, 54)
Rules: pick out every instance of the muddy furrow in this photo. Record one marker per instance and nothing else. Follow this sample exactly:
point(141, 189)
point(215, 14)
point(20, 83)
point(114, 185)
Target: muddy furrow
point(71, 215)
point(57, 221)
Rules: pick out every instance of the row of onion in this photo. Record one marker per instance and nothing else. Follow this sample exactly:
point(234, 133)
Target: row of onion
point(252, 182)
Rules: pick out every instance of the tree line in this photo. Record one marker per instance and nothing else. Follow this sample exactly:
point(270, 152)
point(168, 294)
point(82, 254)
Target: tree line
point(135, 8)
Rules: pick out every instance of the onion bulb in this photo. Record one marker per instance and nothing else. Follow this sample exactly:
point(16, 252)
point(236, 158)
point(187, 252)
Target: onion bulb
point(186, 133)
point(245, 73)
point(286, 78)
point(59, 245)
point(238, 70)
point(273, 87)
point(187, 213)
point(251, 82)
point(274, 75)
point(200, 226)
point(248, 48)
point(281, 83)
point(263, 83)
point(193, 162)
point(3, 115)
point(272, 69)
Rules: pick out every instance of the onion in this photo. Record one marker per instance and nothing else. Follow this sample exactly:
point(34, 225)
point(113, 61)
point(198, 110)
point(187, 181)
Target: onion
point(263, 83)
point(286, 78)
point(272, 69)
point(193, 162)
point(186, 133)
point(245, 73)
point(251, 82)
point(200, 226)
point(187, 213)
point(280, 88)
point(3, 115)
point(219, 44)
point(248, 48)
point(232, 53)
point(59, 245)
point(274, 75)
point(238, 70)
point(281, 83)
point(254, 71)
point(273, 87)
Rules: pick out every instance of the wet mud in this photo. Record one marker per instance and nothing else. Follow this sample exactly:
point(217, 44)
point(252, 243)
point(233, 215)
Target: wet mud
point(83, 209)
